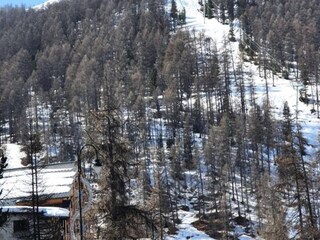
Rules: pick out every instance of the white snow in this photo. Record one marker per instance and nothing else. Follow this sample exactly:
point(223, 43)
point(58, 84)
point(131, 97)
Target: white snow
point(210, 27)
point(16, 182)
point(45, 4)
point(46, 211)
point(53, 179)
point(245, 237)
point(186, 230)
point(14, 155)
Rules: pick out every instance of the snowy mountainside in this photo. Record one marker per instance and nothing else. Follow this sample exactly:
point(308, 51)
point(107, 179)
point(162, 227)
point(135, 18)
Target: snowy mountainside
point(212, 189)
point(279, 91)
point(282, 91)
point(210, 27)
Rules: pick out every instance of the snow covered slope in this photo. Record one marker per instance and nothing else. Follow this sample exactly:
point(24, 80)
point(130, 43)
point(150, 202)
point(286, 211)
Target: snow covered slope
point(45, 4)
point(195, 20)
point(282, 91)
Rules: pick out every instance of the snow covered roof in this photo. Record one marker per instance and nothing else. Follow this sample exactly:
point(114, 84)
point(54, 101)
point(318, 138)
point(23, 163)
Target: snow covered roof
point(53, 180)
point(45, 211)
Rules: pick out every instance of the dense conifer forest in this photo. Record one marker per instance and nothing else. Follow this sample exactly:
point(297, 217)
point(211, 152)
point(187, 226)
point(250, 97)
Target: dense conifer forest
point(175, 122)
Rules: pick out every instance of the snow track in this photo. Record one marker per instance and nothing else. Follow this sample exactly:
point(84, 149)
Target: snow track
point(186, 230)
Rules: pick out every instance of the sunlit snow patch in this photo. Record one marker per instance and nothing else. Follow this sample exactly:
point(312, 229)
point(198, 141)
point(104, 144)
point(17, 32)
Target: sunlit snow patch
point(45, 4)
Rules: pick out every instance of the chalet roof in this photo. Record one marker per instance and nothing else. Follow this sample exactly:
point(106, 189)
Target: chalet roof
point(54, 212)
point(53, 180)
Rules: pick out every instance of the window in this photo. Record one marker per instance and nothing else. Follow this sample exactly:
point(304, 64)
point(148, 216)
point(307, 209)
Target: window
point(20, 225)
